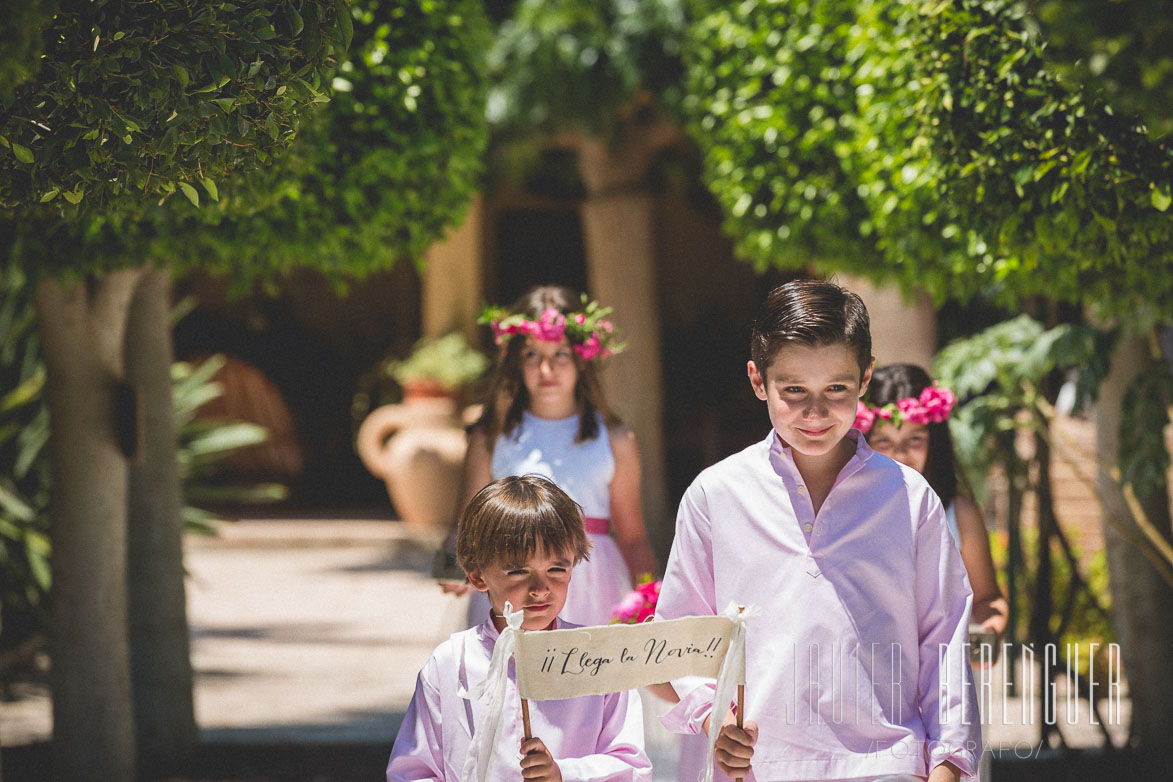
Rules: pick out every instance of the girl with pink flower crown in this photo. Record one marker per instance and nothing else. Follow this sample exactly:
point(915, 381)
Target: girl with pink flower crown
point(905, 418)
point(545, 414)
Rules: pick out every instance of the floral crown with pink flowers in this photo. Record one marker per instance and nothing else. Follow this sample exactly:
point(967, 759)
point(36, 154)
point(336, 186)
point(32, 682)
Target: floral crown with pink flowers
point(588, 331)
point(931, 407)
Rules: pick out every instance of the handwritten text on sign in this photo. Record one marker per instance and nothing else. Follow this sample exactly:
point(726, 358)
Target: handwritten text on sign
point(555, 664)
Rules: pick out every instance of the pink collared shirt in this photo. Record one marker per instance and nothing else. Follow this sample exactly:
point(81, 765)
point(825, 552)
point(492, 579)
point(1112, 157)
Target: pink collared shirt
point(598, 737)
point(857, 666)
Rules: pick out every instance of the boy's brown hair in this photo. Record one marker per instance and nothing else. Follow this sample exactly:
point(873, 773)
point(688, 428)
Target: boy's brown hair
point(509, 518)
point(812, 313)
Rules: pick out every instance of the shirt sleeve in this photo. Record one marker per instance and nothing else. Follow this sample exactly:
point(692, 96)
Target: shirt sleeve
point(689, 589)
point(619, 753)
point(943, 600)
point(418, 752)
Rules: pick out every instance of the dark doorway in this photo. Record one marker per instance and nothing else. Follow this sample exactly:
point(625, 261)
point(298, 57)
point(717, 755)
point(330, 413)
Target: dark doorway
point(533, 246)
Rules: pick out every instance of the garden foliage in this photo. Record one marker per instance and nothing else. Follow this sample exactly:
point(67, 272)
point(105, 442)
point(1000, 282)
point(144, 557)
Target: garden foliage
point(137, 101)
point(1122, 50)
point(926, 142)
point(376, 175)
point(561, 64)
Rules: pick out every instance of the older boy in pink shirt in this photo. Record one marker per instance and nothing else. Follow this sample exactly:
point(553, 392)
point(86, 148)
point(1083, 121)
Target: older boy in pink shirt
point(857, 668)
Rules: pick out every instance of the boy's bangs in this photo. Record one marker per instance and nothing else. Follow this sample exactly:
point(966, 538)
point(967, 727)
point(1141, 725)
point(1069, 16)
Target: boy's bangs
point(515, 536)
point(508, 520)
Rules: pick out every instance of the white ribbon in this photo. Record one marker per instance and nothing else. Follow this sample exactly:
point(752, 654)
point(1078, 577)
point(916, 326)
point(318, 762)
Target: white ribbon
point(732, 673)
point(484, 736)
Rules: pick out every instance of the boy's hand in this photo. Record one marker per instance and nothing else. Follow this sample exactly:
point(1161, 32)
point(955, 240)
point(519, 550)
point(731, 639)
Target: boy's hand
point(734, 749)
point(946, 772)
point(452, 588)
point(538, 763)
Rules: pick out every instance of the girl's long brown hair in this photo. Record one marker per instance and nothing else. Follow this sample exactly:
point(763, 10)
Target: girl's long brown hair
point(507, 397)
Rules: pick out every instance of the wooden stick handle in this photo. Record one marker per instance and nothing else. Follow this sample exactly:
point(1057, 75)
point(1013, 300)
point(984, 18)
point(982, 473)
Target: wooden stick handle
point(740, 700)
point(740, 712)
point(525, 718)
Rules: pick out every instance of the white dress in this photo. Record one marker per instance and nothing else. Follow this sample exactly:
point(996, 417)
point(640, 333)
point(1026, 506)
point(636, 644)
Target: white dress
point(546, 447)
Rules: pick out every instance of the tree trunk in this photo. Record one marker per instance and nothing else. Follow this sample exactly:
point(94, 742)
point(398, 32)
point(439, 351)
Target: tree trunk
point(160, 650)
point(618, 218)
point(93, 712)
point(1042, 605)
point(1142, 601)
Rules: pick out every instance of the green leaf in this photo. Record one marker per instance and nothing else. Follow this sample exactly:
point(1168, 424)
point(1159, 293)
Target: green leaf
point(26, 392)
point(210, 186)
point(15, 505)
point(23, 154)
point(74, 197)
point(345, 23)
point(50, 195)
point(296, 25)
point(1079, 165)
point(191, 193)
point(1161, 198)
point(39, 565)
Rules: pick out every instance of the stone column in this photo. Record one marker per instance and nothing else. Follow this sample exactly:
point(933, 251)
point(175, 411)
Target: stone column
point(904, 328)
point(453, 278)
point(618, 218)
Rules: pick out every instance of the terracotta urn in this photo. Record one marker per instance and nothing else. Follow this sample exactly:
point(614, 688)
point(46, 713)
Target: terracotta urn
point(417, 448)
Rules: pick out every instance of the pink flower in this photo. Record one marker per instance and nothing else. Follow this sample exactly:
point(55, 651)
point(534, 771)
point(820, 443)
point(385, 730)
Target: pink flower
point(864, 417)
point(650, 590)
point(937, 403)
point(589, 349)
point(912, 411)
point(629, 607)
point(503, 331)
point(639, 604)
point(550, 327)
point(580, 319)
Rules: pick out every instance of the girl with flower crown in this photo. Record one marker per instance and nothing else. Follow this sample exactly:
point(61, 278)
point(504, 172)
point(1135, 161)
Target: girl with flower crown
point(906, 418)
point(545, 414)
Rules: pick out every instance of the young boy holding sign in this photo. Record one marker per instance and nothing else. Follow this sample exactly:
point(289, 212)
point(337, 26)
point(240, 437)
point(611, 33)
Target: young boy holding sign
point(856, 669)
point(518, 540)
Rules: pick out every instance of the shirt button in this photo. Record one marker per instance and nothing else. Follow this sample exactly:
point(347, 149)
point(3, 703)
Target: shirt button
point(802, 490)
point(808, 527)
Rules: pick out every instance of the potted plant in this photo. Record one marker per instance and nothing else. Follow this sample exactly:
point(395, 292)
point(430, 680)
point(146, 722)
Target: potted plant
point(437, 366)
point(417, 446)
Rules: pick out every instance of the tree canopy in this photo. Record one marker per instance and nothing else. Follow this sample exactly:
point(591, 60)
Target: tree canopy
point(20, 40)
point(930, 144)
point(146, 100)
point(376, 174)
point(561, 64)
point(1122, 50)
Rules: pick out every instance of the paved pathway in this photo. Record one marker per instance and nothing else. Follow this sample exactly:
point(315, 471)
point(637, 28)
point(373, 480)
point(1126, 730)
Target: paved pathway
point(312, 631)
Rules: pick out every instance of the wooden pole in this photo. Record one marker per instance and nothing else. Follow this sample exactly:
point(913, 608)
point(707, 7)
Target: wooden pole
point(525, 719)
point(740, 699)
